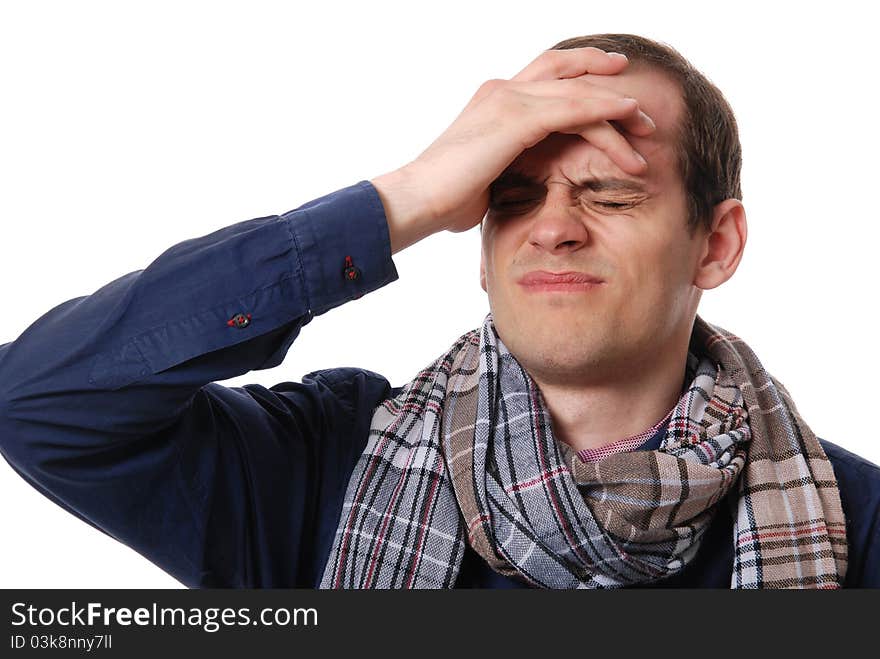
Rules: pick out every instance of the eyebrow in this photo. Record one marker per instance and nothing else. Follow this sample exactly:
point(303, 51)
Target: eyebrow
point(516, 179)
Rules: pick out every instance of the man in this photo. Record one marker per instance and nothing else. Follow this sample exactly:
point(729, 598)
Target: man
point(594, 432)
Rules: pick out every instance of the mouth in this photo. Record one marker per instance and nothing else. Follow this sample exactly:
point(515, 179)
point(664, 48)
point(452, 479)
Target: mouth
point(571, 282)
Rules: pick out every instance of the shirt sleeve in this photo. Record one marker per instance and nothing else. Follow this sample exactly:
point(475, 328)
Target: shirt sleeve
point(108, 404)
point(858, 482)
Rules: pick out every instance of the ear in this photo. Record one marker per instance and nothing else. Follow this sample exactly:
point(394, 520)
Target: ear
point(483, 270)
point(722, 247)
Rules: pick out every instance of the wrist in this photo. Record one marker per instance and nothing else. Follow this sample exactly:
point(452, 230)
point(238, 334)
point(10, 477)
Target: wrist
point(407, 212)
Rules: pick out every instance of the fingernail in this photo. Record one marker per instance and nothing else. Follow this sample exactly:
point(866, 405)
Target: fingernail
point(639, 157)
point(617, 55)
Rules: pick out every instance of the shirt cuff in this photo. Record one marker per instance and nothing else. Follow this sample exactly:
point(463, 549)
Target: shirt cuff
point(343, 245)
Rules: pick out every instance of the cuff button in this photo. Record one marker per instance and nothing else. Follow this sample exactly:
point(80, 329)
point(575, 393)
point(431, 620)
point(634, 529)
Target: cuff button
point(351, 272)
point(239, 320)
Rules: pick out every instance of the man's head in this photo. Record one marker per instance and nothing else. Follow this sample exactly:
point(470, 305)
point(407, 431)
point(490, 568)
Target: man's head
point(656, 240)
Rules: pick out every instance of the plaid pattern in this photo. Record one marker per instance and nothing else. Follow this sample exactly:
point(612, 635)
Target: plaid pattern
point(465, 453)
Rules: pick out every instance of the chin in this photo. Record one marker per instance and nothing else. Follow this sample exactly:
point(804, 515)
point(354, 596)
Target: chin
point(555, 355)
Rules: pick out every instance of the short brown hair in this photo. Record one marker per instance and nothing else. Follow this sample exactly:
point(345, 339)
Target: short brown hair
point(709, 151)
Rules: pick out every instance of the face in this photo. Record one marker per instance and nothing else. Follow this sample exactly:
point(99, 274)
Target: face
point(631, 234)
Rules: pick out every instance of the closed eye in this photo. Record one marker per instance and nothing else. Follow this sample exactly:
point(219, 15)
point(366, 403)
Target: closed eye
point(509, 206)
point(514, 204)
point(613, 204)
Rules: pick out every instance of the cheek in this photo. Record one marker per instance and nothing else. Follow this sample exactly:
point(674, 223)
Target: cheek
point(664, 280)
point(493, 268)
point(650, 274)
point(497, 256)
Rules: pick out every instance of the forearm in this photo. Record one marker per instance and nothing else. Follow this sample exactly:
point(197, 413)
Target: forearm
point(408, 214)
point(125, 360)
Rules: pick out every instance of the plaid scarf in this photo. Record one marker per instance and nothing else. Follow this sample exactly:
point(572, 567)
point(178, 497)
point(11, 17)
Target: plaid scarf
point(466, 453)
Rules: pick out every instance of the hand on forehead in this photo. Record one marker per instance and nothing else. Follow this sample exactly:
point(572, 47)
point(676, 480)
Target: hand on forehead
point(566, 158)
point(658, 96)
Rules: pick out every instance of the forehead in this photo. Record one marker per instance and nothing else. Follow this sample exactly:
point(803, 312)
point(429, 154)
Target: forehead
point(659, 97)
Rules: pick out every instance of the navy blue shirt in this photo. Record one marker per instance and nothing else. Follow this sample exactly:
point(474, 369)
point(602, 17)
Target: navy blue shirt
point(109, 407)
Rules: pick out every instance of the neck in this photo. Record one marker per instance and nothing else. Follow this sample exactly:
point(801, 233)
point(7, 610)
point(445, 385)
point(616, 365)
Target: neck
point(593, 415)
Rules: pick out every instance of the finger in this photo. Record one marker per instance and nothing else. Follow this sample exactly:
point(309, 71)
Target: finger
point(589, 118)
point(604, 137)
point(638, 123)
point(571, 62)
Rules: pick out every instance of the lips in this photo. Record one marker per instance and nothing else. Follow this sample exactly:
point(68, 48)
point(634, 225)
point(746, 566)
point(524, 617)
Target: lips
point(543, 277)
point(542, 281)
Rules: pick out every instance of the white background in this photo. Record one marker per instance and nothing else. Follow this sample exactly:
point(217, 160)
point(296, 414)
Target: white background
point(127, 128)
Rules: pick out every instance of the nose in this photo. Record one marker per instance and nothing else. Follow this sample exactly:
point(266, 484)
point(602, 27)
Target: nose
point(558, 227)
